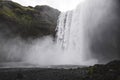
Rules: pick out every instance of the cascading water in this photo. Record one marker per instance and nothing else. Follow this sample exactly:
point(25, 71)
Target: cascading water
point(76, 32)
point(92, 28)
point(75, 29)
point(71, 36)
point(64, 29)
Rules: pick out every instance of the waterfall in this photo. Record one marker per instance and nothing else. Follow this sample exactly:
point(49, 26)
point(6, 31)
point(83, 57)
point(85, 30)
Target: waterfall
point(64, 29)
point(76, 28)
point(86, 35)
point(71, 35)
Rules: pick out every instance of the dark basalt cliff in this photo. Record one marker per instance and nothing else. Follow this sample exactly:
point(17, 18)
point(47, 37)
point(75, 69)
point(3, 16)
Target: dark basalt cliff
point(27, 22)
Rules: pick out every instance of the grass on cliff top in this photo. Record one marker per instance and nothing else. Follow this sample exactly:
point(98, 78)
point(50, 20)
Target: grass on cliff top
point(16, 12)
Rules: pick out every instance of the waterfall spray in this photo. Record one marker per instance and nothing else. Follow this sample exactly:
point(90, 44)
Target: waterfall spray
point(77, 28)
point(77, 31)
point(72, 35)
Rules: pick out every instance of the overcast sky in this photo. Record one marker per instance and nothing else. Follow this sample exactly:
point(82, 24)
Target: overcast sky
point(62, 5)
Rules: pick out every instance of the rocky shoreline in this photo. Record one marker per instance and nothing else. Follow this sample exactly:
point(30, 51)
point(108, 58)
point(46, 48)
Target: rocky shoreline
point(109, 71)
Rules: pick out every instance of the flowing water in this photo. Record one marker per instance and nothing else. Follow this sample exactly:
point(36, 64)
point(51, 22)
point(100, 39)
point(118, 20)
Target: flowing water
point(71, 36)
point(75, 29)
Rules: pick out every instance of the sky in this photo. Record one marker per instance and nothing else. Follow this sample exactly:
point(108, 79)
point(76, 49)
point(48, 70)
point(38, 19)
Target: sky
point(62, 5)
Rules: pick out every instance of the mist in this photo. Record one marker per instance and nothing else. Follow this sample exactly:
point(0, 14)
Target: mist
point(99, 40)
point(39, 52)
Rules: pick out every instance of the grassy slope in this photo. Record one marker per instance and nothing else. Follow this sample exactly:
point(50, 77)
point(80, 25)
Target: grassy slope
point(31, 21)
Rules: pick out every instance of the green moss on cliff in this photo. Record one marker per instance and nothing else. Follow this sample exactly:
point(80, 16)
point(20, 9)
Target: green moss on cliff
point(28, 21)
point(7, 12)
point(16, 12)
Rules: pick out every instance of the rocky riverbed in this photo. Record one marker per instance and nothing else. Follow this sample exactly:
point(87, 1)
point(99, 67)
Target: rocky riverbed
point(109, 71)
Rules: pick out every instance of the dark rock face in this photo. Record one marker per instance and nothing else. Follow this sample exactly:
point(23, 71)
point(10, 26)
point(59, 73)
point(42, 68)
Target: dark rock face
point(27, 22)
point(20, 26)
point(110, 71)
point(105, 42)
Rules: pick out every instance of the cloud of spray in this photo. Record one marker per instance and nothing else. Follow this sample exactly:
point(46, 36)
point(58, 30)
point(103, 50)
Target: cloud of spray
point(45, 51)
point(40, 52)
point(102, 25)
point(12, 49)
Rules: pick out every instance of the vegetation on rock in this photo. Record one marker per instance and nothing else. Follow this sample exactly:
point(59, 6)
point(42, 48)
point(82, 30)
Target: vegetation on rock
point(27, 22)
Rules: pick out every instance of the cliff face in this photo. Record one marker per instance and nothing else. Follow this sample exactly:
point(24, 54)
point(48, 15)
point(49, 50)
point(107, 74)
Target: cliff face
point(27, 22)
